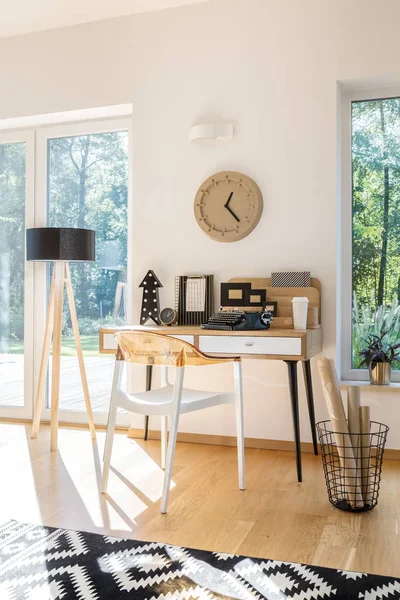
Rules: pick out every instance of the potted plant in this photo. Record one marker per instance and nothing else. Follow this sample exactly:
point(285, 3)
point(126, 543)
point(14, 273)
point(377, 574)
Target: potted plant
point(378, 356)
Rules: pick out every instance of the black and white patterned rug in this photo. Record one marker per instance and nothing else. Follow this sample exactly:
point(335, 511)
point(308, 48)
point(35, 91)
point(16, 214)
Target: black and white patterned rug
point(42, 563)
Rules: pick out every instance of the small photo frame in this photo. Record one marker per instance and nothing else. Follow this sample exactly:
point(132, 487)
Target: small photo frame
point(256, 297)
point(272, 306)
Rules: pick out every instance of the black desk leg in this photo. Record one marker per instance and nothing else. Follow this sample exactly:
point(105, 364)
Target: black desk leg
point(310, 402)
point(294, 396)
point(149, 376)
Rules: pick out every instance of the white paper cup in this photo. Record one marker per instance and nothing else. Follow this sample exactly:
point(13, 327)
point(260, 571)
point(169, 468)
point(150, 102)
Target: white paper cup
point(300, 311)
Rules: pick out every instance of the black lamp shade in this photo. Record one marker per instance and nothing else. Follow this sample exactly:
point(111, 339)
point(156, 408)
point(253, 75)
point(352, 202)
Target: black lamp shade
point(60, 243)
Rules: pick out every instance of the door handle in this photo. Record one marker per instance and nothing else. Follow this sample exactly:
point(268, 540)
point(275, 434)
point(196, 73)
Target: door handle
point(249, 344)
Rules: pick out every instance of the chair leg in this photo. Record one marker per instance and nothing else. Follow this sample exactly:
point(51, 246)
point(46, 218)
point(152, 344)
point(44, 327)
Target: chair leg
point(172, 438)
point(239, 422)
point(169, 464)
point(112, 417)
point(164, 421)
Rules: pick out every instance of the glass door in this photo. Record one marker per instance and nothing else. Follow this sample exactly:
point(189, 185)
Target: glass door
point(16, 276)
point(83, 181)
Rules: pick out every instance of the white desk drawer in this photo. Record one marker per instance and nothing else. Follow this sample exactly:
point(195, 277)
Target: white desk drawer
point(250, 345)
point(109, 341)
point(185, 338)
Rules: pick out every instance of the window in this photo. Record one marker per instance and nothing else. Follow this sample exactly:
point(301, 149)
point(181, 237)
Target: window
point(12, 259)
point(88, 188)
point(375, 226)
point(16, 186)
point(74, 175)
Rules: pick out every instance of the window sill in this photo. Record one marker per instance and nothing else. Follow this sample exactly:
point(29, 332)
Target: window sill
point(367, 386)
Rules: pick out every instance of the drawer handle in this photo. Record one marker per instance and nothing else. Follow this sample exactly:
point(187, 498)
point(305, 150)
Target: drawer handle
point(249, 344)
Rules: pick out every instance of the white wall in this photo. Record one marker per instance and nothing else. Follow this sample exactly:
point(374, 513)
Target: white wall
point(272, 69)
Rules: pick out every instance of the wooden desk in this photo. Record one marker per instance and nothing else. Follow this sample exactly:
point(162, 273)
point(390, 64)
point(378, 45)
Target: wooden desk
point(288, 345)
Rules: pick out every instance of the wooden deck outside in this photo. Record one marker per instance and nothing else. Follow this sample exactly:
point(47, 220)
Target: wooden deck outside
point(99, 370)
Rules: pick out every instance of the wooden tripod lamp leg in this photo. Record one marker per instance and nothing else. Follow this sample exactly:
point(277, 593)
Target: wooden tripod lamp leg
point(45, 361)
point(55, 374)
point(75, 327)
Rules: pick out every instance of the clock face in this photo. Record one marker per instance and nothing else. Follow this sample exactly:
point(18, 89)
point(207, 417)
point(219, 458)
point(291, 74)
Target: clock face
point(168, 316)
point(228, 206)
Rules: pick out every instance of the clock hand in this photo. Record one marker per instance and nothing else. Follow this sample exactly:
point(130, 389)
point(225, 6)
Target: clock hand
point(233, 214)
point(226, 205)
point(229, 199)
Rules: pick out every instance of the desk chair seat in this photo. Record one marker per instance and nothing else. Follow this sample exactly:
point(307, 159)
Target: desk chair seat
point(158, 400)
point(169, 401)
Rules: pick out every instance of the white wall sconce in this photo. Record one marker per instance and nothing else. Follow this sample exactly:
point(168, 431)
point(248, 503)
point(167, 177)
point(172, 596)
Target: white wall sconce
point(211, 131)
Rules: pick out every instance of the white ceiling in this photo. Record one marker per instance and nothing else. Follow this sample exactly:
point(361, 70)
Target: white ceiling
point(25, 16)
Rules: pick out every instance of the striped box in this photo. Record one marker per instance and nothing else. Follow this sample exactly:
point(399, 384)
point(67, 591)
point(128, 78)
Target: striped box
point(291, 279)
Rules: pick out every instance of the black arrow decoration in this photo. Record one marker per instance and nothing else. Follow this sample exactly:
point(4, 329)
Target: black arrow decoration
point(150, 302)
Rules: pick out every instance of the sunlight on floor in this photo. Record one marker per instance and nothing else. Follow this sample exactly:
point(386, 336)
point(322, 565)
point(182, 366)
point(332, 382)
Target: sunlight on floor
point(69, 486)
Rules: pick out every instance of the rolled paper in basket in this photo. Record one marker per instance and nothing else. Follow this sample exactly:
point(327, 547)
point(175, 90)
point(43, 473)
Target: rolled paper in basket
point(365, 453)
point(330, 385)
point(353, 416)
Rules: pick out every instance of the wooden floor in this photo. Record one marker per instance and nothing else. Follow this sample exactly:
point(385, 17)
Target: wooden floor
point(276, 517)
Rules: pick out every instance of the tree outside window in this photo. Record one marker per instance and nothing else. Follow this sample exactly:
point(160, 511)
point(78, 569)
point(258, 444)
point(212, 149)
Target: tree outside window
point(376, 221)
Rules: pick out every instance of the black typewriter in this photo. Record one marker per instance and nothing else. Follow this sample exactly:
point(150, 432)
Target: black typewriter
point(225, 320)
point(236, 320)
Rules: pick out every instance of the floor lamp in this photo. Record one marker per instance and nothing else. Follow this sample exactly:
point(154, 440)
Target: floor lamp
point(61, 246)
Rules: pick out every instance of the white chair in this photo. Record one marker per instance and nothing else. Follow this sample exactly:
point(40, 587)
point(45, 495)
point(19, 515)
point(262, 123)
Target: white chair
point(148, 348)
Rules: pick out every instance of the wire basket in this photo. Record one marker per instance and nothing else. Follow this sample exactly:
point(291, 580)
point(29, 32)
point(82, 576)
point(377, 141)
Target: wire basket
point(352, 465)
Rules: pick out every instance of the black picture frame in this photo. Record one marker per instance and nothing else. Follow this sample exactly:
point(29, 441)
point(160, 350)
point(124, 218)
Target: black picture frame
point(245, 295)
point(226, 288)
point(186, 317)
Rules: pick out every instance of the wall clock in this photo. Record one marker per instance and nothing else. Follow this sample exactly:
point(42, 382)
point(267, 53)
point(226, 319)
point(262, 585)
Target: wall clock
point(228, 206)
